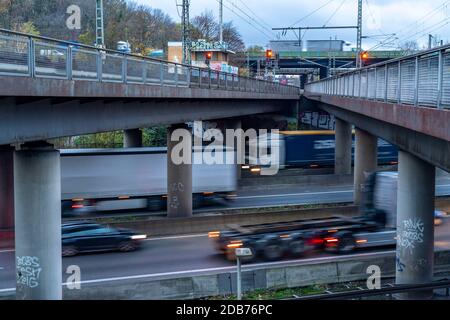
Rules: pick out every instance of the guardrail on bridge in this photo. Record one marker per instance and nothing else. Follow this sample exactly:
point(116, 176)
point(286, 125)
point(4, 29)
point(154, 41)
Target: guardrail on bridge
point(422, 79)
point(41, 57)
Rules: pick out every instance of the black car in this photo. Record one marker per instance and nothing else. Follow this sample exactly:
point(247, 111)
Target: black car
point(89, 237)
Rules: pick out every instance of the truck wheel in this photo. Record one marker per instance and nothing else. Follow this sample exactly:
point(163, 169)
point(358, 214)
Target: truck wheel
point(346, 243)
point(273, 251)
point(297, 247)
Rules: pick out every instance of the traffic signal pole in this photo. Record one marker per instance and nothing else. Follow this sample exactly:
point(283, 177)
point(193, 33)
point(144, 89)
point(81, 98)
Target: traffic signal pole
point(359, 36)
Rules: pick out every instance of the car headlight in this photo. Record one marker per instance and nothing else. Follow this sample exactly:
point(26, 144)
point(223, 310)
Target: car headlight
point(139, 237)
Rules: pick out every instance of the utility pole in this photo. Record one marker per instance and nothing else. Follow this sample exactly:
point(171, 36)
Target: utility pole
point(221, 21)
point(186, 37)
point(359, 36)
point(99, 31)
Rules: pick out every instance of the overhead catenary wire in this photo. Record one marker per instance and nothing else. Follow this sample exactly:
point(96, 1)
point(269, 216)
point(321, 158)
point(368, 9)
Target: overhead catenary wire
point(334, 13)
point(250, 17)
point(312, 13)
point(268, 36)
point(412, 27)
point(413, 34)
point(255, 15)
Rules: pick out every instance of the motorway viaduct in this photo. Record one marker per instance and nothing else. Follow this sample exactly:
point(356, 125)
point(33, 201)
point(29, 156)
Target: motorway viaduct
point(34, 109)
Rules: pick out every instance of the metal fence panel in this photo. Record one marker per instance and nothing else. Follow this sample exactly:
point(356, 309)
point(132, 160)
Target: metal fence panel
point(85, 64)
point(372, 85)
point(428, 80)
point(392, 89)
point(363, 89)
point(408, 81)
point(381, 88)
point(14, 55)
point(446, 82)
point(112, 67)
point(50, 60)
point(135, 70)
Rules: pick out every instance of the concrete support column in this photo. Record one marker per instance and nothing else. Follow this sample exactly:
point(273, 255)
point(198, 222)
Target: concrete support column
point(132, 138)
point(6, 188)
point(343, 149)
point(366, 150)
point(235, 124)
point(37, 202)
point(179, 175)
point(415, 224)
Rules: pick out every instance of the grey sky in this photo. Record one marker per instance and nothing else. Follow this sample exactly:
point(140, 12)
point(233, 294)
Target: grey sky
point(410, 19)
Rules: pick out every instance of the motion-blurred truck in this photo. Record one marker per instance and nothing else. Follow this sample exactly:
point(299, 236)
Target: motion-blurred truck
point(374, 227)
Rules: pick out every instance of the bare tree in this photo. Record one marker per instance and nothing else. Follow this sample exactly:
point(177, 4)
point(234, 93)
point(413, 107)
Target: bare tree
point(409, 47)
point(205, 26)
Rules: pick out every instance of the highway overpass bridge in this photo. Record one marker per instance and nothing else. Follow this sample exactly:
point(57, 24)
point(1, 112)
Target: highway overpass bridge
point(78, 89)
point(51, 88)
point(405, 101)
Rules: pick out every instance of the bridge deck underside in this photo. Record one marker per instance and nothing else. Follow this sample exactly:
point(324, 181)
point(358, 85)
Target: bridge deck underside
point(422, 131)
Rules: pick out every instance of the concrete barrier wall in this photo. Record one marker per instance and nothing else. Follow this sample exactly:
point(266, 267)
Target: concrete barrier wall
point(273, 278)
point(224, 283)
point(266, 182)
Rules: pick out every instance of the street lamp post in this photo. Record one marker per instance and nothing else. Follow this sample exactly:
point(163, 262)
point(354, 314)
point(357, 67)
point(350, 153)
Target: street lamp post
point(241, 253)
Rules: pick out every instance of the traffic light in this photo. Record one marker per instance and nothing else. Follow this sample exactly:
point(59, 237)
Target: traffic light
point(269, 54)
point(364, 57)
point(208, 57)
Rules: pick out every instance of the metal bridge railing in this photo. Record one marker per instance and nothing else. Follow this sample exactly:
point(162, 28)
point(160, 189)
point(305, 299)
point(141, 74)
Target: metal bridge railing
point(41, 57)
point(422, 79)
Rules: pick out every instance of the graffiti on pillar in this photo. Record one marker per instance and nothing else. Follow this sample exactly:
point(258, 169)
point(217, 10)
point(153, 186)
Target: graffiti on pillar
point(28, 271)
point(400, 266)
point(318, 119)
point(174, 203)
point(177, 187)
point(411, 233)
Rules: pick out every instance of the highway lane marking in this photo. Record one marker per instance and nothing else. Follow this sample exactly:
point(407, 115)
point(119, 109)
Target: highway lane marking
point(294, 194)
point(7, 250)
point(230, 268)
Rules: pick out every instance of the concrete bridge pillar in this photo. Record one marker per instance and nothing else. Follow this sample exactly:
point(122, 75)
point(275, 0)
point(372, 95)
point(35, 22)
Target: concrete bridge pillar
point(179, 172)
point(37, 202)
point(132, 138)
point(343, 149)
point(415, 224)
point(6, 188)
point(235, 124)
point(366, 150)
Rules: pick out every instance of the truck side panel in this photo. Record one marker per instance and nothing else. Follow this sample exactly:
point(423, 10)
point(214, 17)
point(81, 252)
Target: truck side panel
point(109, 176)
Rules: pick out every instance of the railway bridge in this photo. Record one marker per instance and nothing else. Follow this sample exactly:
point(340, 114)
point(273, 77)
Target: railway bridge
point(406, 102)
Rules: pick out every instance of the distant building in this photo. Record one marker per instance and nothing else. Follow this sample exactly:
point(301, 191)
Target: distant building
point(325, 45)
point(218, 62)
point(285, 45)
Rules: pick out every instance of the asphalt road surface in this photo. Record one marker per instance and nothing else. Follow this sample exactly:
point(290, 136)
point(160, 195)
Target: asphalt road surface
point(168, 257)
point(176, 256)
